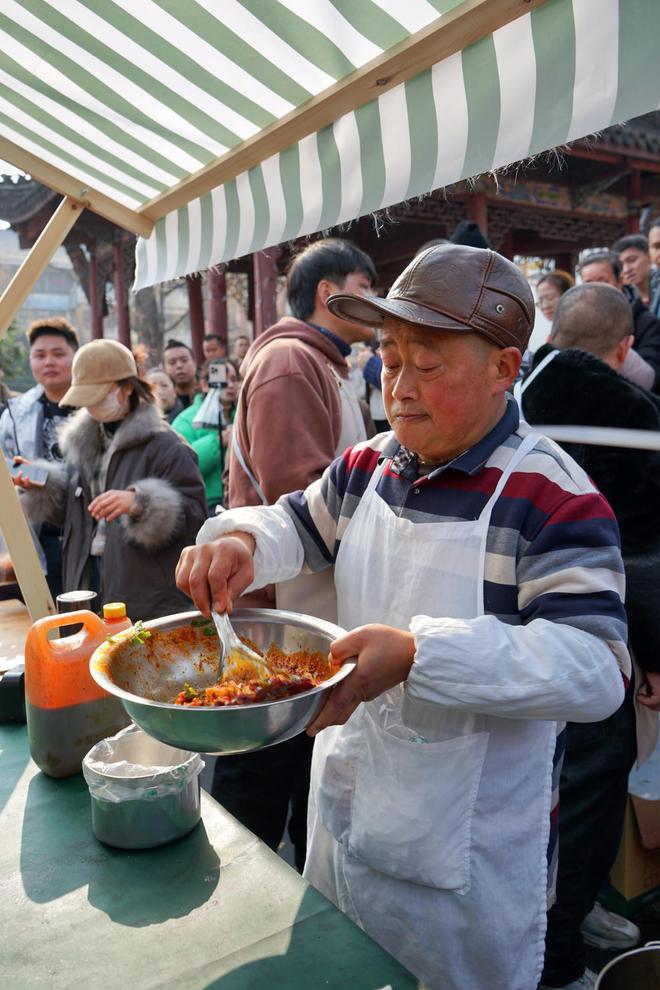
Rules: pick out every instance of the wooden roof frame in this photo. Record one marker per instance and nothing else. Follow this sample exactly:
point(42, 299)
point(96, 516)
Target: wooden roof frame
point(449, 34)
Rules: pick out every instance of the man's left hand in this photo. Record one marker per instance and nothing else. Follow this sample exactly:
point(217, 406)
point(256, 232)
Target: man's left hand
point(113, 504)
point(651, 700)
point(384, 658)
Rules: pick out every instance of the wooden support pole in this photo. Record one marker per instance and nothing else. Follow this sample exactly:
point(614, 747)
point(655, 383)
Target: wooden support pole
point(90, 199)
point(37, 261)
point(634, 202)
point(478, 211)
point(94, 295)
point(23, 553)
point(121, 297)
point(265, 289)
point(196, 313)
point(217, 295)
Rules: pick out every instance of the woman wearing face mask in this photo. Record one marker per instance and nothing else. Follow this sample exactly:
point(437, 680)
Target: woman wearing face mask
point(129, 493)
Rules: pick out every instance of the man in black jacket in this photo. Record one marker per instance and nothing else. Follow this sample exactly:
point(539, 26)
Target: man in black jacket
point(591, 336)
point(605, 267)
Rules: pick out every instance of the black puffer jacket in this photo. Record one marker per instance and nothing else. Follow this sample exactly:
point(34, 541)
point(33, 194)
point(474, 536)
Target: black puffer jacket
point(578, 389)
point(646, 330)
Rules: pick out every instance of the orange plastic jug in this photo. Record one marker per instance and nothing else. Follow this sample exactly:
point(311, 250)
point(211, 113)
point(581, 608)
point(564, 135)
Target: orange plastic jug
point(67, 712)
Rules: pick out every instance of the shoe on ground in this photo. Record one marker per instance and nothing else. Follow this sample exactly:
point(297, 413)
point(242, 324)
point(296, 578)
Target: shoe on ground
point(606, 930)
point(586, 982)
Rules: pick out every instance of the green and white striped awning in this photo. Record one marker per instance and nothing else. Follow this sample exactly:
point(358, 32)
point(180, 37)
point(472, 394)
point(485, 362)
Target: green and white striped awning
point(175, 117)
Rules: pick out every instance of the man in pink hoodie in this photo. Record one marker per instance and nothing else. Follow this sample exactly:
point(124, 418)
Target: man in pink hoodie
point(296, 412)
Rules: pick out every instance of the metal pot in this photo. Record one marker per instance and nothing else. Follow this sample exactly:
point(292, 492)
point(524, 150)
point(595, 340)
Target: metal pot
point(185, 648)
point(635, 970)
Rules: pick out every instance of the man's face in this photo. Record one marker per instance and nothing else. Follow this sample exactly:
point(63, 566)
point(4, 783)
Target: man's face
point(360, 284)
point(180, 366)
point(50, 362)
point(654, 246)
point(214, 350)
point(241, 349)
point(599, 271)
point(635, 267)
point(442, 391)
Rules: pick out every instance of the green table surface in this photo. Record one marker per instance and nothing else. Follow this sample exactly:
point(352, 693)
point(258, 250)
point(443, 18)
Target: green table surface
point(215, 909)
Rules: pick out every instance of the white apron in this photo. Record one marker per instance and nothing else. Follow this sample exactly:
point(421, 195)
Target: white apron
point(429, 827)
point(314, 594)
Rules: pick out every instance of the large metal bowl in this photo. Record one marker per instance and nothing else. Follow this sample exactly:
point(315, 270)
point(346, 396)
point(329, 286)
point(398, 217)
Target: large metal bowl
point(185, 648)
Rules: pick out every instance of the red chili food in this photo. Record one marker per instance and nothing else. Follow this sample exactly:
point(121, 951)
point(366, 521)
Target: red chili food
point(292, 673)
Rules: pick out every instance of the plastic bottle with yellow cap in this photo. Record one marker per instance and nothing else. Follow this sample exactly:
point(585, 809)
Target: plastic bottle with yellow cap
point(115, 618)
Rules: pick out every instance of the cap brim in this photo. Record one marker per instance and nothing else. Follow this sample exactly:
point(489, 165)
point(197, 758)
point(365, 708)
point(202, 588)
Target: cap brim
point(372, 312)
point(86, 395)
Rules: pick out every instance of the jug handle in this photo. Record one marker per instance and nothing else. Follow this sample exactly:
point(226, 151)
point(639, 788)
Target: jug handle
point(91, 623)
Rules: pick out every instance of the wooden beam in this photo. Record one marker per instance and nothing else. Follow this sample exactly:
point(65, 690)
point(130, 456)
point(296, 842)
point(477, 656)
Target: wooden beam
point(23, 553)
point(77, 189)
point(37, 260)
point(446, 35)
point(593, 153)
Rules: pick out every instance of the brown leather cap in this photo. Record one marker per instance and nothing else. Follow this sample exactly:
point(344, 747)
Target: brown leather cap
point(452, 287)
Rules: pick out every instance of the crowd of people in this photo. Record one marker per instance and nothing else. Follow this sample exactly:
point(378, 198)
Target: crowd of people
point(123, 493)
point(461, 795)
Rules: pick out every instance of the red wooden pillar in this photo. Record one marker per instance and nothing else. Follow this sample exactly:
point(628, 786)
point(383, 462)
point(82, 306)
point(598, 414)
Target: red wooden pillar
point(634, 202)
point(217, 296)
point(95, 295)
point(121, 297)
point(478, 211)
point(196, 314)
point(264, 267)
point(507, 245)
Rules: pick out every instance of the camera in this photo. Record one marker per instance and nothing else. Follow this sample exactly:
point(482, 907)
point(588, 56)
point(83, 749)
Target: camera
point(217, 374)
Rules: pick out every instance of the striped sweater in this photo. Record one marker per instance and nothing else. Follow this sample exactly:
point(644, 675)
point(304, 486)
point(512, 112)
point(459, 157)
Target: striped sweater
point(553, 580)
point(553, 543)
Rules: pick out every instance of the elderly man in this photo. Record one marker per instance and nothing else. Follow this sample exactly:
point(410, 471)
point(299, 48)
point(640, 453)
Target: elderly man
point(487, 568)
point(643, 363)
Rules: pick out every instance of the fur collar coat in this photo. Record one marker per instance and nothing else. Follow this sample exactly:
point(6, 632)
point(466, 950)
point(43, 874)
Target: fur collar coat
point(138, 553)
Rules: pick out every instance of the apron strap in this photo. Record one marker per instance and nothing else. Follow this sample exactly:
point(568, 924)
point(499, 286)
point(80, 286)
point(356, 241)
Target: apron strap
point(528, 443)
point(375, 478)
point(241, 460)
point(520, 386)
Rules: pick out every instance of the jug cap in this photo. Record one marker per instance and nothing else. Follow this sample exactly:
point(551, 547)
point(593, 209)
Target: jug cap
point(114, 610)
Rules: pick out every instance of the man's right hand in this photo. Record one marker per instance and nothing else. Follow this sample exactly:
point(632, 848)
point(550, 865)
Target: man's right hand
point(214, 574)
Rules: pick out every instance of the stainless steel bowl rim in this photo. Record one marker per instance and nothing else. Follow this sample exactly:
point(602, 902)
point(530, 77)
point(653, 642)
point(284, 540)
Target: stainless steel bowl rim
point(254, 614)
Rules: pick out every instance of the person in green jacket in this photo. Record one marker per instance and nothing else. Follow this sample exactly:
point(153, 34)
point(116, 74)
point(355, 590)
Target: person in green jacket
point(211, 445)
